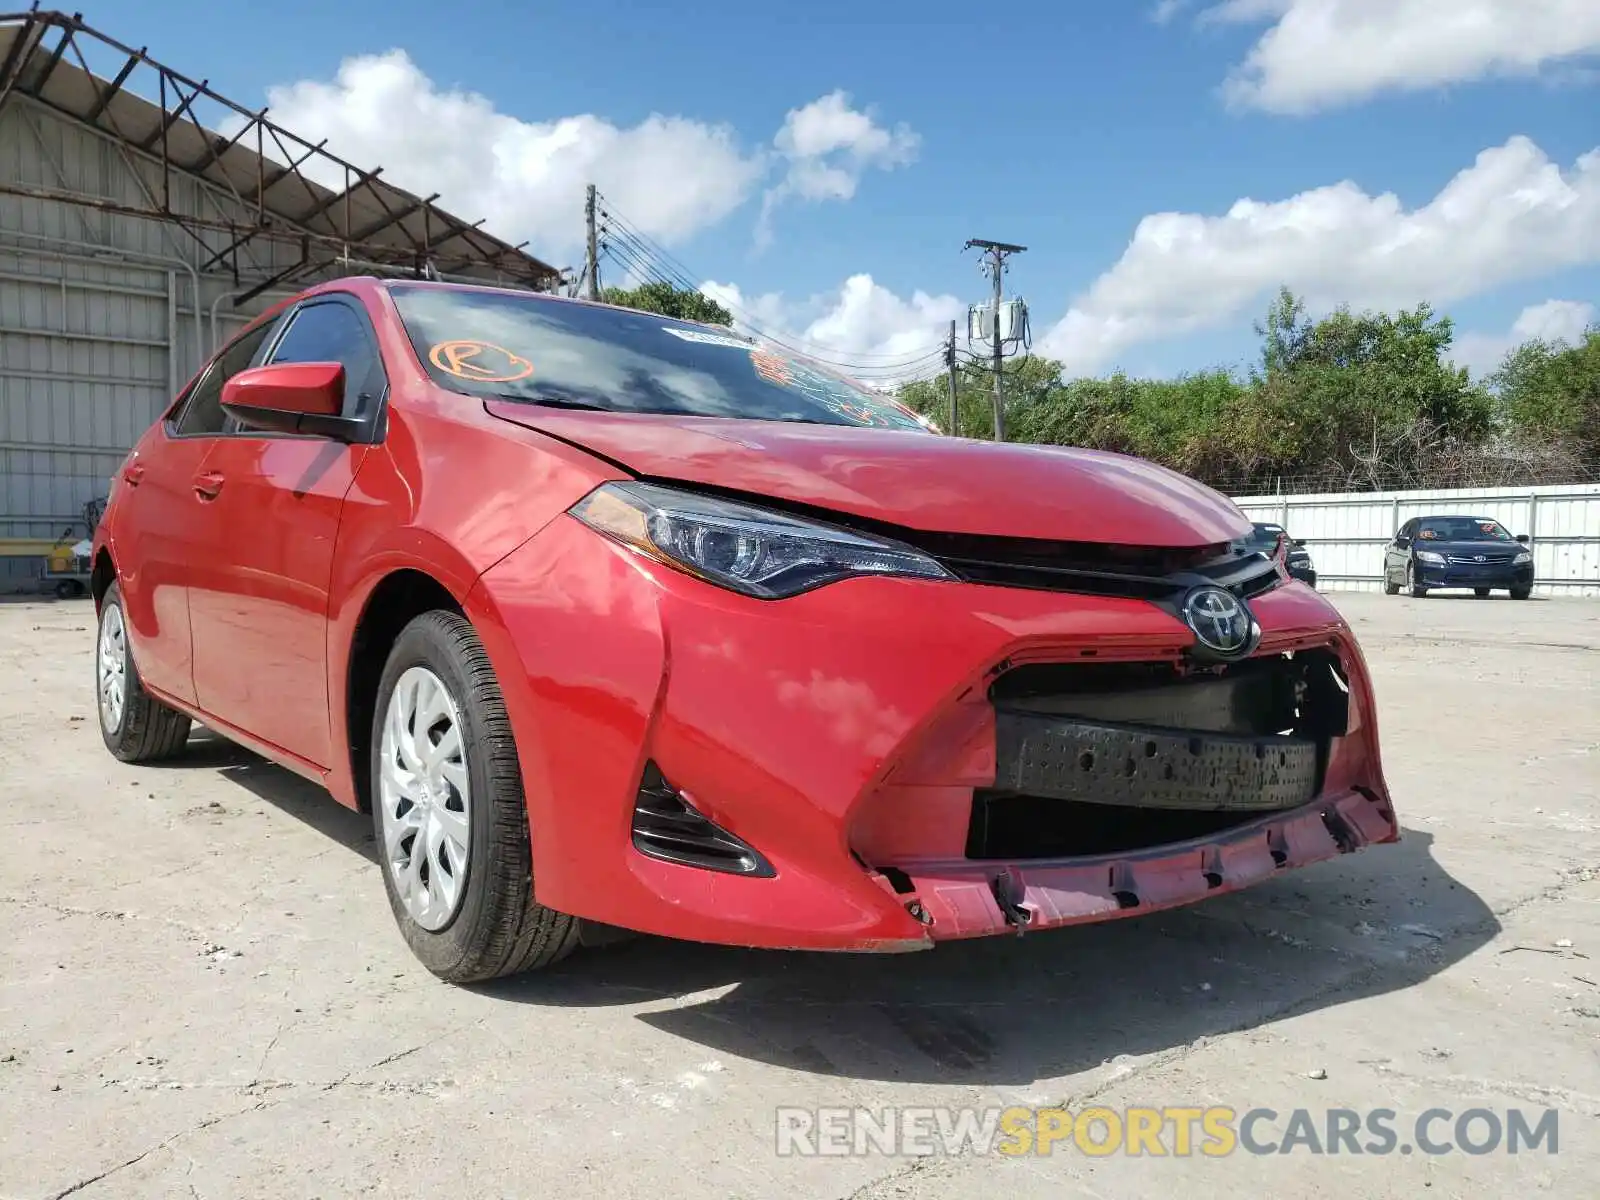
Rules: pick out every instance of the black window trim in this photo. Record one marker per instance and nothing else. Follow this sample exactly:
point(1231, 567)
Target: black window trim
point(172, 424)
point(373, 425)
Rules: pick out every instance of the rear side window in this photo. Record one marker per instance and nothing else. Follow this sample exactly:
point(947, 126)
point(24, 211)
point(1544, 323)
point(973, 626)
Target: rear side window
point(332, 332)
point(203, 413)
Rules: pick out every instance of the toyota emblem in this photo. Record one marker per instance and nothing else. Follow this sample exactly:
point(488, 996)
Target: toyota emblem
point(1220, 621)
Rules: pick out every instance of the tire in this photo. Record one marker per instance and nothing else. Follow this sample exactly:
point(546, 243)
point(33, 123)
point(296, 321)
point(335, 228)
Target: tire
point(1417, 589)
point(140, 729)
point(68, 589)
point(1521, 593)
point(1480, 593)
point(1390, 587)
point(474, 917)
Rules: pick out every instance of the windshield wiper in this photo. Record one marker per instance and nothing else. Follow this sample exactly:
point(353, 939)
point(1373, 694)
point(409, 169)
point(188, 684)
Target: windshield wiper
point(548, 401)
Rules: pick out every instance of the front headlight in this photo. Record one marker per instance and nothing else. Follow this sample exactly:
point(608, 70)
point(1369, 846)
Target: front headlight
point(747, 549)
point(1430, 556)
point(1523, 556)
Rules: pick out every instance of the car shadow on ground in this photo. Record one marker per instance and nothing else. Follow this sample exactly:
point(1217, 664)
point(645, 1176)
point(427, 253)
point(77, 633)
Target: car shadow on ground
point(284, 790)
point(1008, 1010)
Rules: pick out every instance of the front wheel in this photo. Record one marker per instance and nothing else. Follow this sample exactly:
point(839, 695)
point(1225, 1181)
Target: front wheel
point(1416, 588)
point(1521, 593)
point(135, 726)
point(1390, 587)
point(1480, 593)
point(451, 816)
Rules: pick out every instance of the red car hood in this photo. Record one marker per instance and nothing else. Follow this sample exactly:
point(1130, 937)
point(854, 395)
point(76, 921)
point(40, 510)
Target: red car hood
point(916, 480)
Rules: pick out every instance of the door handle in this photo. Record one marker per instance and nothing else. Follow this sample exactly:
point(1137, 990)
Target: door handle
point(207, 484)
point(132, 474)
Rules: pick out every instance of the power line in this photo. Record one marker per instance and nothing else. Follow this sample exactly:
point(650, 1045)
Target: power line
point(996, 254)
point(593, 253)
point(635, 261)
point(900, 368)
point(672, 271)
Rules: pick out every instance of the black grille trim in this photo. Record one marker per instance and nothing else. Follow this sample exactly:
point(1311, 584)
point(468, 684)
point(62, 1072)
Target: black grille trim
point(1159, 573)
point(665, 827)
point(1135, 572)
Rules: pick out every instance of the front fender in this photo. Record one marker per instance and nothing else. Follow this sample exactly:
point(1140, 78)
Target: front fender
point(410, 508)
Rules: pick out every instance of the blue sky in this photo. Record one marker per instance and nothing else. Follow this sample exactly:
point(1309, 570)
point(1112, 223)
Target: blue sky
point(1061, 126)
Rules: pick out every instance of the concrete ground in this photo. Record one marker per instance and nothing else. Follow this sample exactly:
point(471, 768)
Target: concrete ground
point(202, 993)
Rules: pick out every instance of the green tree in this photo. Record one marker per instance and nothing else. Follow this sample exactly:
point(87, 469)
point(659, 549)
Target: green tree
point(1368, 397)
point(1550, 392)
point(669, 301)
point(1028, 381)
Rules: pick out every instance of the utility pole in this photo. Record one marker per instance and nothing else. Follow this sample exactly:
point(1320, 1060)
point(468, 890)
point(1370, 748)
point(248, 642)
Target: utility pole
point(950, 361)
point(996, 253)
point(593, 265)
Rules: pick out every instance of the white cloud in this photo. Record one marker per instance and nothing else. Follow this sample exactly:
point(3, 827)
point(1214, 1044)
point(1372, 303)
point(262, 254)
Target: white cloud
point(1324, 53)
point(1552, 321)
point(1166, 10)
point(828, 146)
point(881, 336)
point(1513, 214)
point(669, 176)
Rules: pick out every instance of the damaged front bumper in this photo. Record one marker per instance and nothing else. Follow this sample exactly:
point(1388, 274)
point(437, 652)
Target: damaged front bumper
point(851, 769)
point(961, 899)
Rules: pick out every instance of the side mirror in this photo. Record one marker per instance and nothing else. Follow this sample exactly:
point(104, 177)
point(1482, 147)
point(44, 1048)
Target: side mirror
point(1523, 538)
point(1298, 542)
point(1401, 542)
point(304, 398)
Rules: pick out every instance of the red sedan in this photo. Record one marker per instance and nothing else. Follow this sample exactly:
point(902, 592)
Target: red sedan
point(612, 620)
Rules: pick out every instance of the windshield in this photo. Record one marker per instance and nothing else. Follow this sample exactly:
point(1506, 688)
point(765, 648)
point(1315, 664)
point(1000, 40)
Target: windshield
point(1264, 534)
point(1462, 529)
point(532, 348)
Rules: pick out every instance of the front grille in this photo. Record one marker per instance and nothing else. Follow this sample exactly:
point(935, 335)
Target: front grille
point(1158, 573)
point(1472, 560)
point(1115, 757)
point(667, 828)
point(1137, 572)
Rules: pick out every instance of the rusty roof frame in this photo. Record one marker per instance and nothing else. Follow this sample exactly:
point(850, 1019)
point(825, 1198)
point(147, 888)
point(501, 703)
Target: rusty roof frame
point(367, 220)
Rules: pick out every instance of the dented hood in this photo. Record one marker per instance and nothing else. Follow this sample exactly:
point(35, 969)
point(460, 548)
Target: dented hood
point(915, 480)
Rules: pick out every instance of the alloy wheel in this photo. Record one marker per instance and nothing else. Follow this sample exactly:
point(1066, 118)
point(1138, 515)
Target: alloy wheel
point(426, 798)
point(111, 670)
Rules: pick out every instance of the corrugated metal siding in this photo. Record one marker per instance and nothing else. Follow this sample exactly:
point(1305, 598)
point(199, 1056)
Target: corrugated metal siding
point(84, 369)
point(1346, 534)
point(98, 319)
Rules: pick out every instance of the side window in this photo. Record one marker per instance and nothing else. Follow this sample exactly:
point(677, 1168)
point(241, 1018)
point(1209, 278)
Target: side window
point(203, 413)
point(332, 332)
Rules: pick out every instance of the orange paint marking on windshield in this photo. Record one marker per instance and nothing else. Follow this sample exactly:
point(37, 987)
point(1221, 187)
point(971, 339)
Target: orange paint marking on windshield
point(771, 368)
point(479, 362)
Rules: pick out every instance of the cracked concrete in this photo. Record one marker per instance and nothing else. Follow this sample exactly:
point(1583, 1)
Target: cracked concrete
point(202, 993)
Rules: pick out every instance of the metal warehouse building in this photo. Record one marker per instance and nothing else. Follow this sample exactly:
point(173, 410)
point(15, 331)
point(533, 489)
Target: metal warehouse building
point(143, 220)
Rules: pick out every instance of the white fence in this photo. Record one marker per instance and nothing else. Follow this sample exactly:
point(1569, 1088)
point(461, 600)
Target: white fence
point(1346, 533)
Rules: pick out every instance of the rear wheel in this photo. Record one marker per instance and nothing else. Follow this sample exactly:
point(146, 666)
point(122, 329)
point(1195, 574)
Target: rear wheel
point(1521, 593)
point(135, 726)
point(451, 816)
point(1416, 588)
point(1480, 593)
